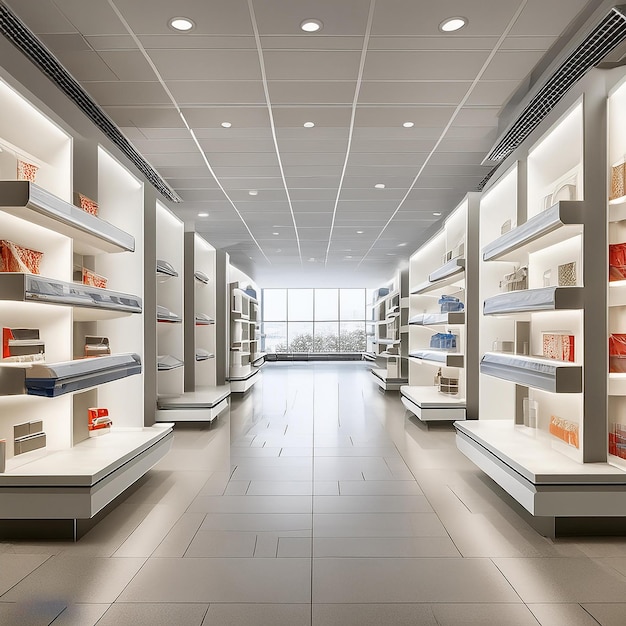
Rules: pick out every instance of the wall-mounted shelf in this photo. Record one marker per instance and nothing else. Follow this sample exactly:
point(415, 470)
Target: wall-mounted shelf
point(531, 300)
point(35, 288)
point(562, 221)
point(168, 362)
point(91, 235)
point(438, 319)
point(438, 357)
point(532, 371)
point(166, 316)
point(451, 268)
point(54, 379)
point(441, 284)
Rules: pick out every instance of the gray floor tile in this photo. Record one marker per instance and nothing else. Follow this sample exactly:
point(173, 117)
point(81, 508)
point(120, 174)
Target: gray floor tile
point(409, 580)
point(379, 488)
point(81, 615)
point(257, 522)
point(221, 544)
point(15, 567)
point(258, 615)
point(371, 504)
point(34, 613)
point(160, 614)
point(563, 580)
point(266, 546)
point(399, 547)
point(280, 488)
point(294, 547)
point(251, 504)
point(377, 525)
point(605, 614)
point(483, 615)
point(178, 539)
point(570, 614)
point(237, 488)
point(373, 615)
point(221, 580)
point(93, 580)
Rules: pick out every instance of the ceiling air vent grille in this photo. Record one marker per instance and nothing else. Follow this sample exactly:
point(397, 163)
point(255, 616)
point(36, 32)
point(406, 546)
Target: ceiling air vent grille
point(23, 39)
point(607, 35)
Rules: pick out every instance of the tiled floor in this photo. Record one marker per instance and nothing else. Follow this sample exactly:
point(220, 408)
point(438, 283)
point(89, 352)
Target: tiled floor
point(316, 502)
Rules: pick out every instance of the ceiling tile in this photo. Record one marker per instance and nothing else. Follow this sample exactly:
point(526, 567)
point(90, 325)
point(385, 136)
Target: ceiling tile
point(93, 18)
point(512, 64)
point(283, 17)
point(398, 17)
point(71, 42)
point(86, 65)
point(259, 184)
point(495, 93)
point(208, 64)
point(320, 64)
point(289, 117)
point(311, 92)
point(432, 43)
point(378, 117)
point(314, 182)
point(312, 145)
point(547, 18)
point(156, 146)
point(315, 42)
point(528, 43)
point(419, 92)
point(212, 117)
point(297, 159)
point(302, 171)
point(128, 64)
point(217, 92)
point(145, 117)
point(124, 93)
point(41, 16)
point(226, 144)
point(111, 42)
point(193, 183)
point(184, 159)
point(482, 116)
point(260, 172)
point(195, 41)
point(220, 17)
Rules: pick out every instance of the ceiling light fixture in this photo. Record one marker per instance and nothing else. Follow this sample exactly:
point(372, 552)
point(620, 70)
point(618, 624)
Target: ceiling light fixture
point(348, 256)
point(311, 25)
point(226, 124)
point(436, 214)
point(359, 232)
point(452, 23)
point(391, 254)
point(253, 192)
point(203, 215)
point(181, 24)
point(408, 124)
point(379, 185)
point(308, 124)
point(401, 245)
point(275, 233)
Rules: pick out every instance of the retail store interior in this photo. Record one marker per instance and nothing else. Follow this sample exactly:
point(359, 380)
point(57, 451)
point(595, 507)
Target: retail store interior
point(313, 313)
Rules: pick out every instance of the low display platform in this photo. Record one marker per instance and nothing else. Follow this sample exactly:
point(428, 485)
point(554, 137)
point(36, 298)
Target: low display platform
point(202, 405)
point(77, 483)
point(546, 482)
point(386, 383)
point(429, 405)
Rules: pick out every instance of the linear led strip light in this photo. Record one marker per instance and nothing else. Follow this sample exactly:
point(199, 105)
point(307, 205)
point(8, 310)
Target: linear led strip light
point(602, 40)
point(25, 41)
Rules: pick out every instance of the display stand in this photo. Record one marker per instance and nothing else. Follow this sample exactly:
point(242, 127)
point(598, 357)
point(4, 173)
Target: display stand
point(203, 399)
point(389, 343)
point(442, 354)
point(59, 472)
point(246, 359)
point(542, 433)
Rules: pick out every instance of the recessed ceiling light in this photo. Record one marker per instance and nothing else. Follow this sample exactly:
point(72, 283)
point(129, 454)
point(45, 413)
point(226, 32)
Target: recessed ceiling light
point(181, 24)
point(408, 124)
point(379, 185)
point(359, 232)
point(436, 214)
point(452, 24)
point(311, 25)
point(253, 192)
point(401, 245)
point(226, 124)
point(251, 258)
point(203, 215)
point(275, 233)
point(391, 254)
point(348, 256)
point(308, 124)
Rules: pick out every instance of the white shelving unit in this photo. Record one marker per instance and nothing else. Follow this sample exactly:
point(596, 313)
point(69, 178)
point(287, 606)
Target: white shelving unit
point(169, 290)
point(542, 433)
point(246, 359)
point(389, 343)
point(443, 266)
point(73, 477)
point(203, 399)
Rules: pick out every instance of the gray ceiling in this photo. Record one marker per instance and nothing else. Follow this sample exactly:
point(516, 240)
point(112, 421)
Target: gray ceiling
point(374, 65)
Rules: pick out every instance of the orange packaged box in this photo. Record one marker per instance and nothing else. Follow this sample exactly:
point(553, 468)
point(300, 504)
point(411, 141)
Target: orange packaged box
point(93, 279)
point(86, 204)
point(16, 258)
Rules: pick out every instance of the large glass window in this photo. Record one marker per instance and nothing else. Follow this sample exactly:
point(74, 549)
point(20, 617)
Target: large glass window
point(314, 320)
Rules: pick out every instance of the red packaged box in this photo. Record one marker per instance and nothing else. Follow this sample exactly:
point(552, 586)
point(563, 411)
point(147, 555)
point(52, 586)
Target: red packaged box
point(16, 258)
point(98, 419)
point(86, 204)
point(558, 345)
point(93, 279)
point(617, 261)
